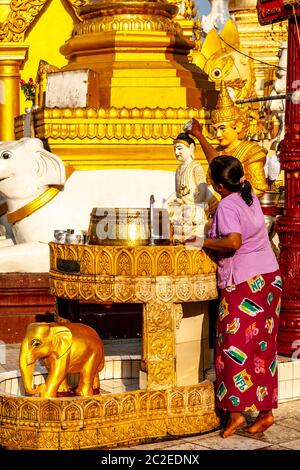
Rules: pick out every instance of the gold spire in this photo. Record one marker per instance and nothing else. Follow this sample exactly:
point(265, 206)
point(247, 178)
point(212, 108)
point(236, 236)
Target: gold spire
point(225, 108)
point(242, 5)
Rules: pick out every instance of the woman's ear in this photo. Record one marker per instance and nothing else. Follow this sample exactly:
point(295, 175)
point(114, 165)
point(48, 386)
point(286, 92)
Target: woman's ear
point(220, 188)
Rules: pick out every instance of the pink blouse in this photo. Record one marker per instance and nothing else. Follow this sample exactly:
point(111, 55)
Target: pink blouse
point(255, 256)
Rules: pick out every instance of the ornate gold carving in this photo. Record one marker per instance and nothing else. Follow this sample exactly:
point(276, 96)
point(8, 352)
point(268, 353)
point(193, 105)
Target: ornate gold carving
point(219, 58)
point(122, 23)
point(226, 110)
point(124, 264)
point(70, 252)
point(162, 345)
point(140, 274)
point(9, 409)
point(159, 353)
point(165, 289)
point(77, 5)
point(111, 408)
point(92, 411)
point(72, 290)
point(150, 261)
point(178, 315)
point(59, 288)
point(183, 289)
point(41, 78)
point(128, 406)
point(144, 264)
point(87, 261)
point(52, 258)
point(123, 290)
point(112, 125)
point(28, 413)
point(183, 263)
point(50, 412)
point(48, 440)
point(22, 13)
point(201, 262)
point(144, 289)
point(104, 288)
point(71, 412)
point(157, 403)
point(105, 421)
point(177, 401)
point(204, 288)
point(164, 264)
point(160, 373)
point(86, 290)
point(127, 267)
point(104, 263)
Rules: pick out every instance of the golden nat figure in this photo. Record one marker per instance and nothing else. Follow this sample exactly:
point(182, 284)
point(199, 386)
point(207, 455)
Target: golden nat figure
point(65, 348)
point(231, 124)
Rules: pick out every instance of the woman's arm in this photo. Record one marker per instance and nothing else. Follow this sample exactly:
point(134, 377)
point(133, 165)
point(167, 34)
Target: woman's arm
point(231, 242)
point(196, 131)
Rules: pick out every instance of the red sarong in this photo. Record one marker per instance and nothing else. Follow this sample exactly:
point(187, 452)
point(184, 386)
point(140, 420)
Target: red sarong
point(246, 344)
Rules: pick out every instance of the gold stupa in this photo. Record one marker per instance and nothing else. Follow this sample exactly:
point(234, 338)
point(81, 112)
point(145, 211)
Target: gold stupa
point(261, 43)
point(145, 88)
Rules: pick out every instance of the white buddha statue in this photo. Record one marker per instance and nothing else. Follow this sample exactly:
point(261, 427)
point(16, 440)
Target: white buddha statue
point(190, 204)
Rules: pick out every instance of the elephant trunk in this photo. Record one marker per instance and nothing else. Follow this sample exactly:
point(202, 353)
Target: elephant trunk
point(27, 368)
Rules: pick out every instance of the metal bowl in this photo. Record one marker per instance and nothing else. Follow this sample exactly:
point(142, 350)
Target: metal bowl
point(270, 199)
point(128, 226)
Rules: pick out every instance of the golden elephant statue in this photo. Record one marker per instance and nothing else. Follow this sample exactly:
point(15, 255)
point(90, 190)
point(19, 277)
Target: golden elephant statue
point(65, 348)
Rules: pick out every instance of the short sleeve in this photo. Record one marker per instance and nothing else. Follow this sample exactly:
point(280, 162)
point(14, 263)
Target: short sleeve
point(227, 220)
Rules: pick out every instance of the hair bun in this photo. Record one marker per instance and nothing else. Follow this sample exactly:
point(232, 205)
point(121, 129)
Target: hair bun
point(184, 137)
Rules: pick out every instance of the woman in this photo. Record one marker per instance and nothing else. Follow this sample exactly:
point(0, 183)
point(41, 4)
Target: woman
point(250, 296)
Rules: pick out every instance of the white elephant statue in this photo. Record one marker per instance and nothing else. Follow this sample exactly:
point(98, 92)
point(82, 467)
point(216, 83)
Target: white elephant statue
point(30, 178)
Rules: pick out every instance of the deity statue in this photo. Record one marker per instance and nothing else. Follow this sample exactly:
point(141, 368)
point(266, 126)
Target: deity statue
point(41, 78)
point(230, 125)
point(217, 17)
point(192, 200)
point(219, 56)
point(276, 109)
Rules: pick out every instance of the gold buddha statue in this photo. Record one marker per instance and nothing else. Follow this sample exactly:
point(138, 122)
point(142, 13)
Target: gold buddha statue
point(230, 124)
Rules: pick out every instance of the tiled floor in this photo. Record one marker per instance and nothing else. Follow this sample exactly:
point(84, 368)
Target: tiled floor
point(283, 435)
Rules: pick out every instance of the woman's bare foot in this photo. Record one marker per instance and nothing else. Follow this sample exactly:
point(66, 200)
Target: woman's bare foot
point(235, 421)
point(264, 420)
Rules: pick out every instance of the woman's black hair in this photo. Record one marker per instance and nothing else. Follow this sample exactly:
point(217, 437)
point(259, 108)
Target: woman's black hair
point(229, 172)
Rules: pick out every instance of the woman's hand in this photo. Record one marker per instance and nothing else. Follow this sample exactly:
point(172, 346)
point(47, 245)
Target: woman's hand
point(194, 242)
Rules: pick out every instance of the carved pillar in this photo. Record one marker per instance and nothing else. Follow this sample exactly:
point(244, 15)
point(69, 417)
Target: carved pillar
point(11, 58)
point(288, 225)
point(158, 359)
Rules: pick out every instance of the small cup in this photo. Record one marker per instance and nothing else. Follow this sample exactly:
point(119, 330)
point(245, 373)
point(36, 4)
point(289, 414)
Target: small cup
point(188, 125)
point(60, 236)
point(77, 239)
